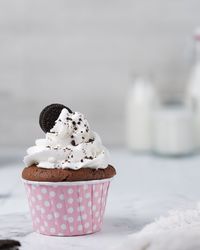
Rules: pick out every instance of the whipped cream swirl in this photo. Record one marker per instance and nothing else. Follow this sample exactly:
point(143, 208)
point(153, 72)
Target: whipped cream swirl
point(69, 144)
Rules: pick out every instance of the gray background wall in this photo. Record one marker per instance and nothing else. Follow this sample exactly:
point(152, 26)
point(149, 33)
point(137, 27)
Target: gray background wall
point(82, 53)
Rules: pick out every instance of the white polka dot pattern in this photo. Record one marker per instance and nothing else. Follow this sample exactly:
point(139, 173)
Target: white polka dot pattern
point(67, 210)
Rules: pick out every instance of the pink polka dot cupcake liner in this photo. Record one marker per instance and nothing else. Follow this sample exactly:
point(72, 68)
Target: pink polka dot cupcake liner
point(67, 209)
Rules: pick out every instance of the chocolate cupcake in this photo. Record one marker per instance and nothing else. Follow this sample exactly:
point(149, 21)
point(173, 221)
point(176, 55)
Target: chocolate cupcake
point(70, 162)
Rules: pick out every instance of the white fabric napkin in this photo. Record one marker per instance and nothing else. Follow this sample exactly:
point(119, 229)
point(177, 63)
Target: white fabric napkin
point(180, 230)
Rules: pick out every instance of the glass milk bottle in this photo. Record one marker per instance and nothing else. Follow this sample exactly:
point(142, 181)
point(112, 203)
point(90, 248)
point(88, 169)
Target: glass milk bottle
point(140, 104)
point(193, 89)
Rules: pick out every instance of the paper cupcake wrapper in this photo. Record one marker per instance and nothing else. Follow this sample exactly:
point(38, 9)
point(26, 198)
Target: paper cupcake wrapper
point(67, 209)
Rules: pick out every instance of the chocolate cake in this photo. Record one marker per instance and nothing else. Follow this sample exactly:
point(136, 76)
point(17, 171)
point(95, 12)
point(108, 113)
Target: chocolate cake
point(33, 173)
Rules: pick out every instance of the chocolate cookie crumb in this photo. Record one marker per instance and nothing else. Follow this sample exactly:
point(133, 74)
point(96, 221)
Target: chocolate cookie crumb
point(9, 244)
point(73, 143)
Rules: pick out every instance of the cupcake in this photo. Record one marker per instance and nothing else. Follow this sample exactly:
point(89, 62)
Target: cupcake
point(67, 175)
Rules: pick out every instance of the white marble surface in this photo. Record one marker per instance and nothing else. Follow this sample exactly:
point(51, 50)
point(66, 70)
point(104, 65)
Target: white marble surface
point(145, 188)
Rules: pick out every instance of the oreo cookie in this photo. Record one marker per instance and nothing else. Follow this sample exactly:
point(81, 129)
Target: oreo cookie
point(49, 115)
point(9, 244)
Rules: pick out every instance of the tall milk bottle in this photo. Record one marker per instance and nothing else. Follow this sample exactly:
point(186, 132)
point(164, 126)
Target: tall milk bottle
point(140, 104)
point(193, 89)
